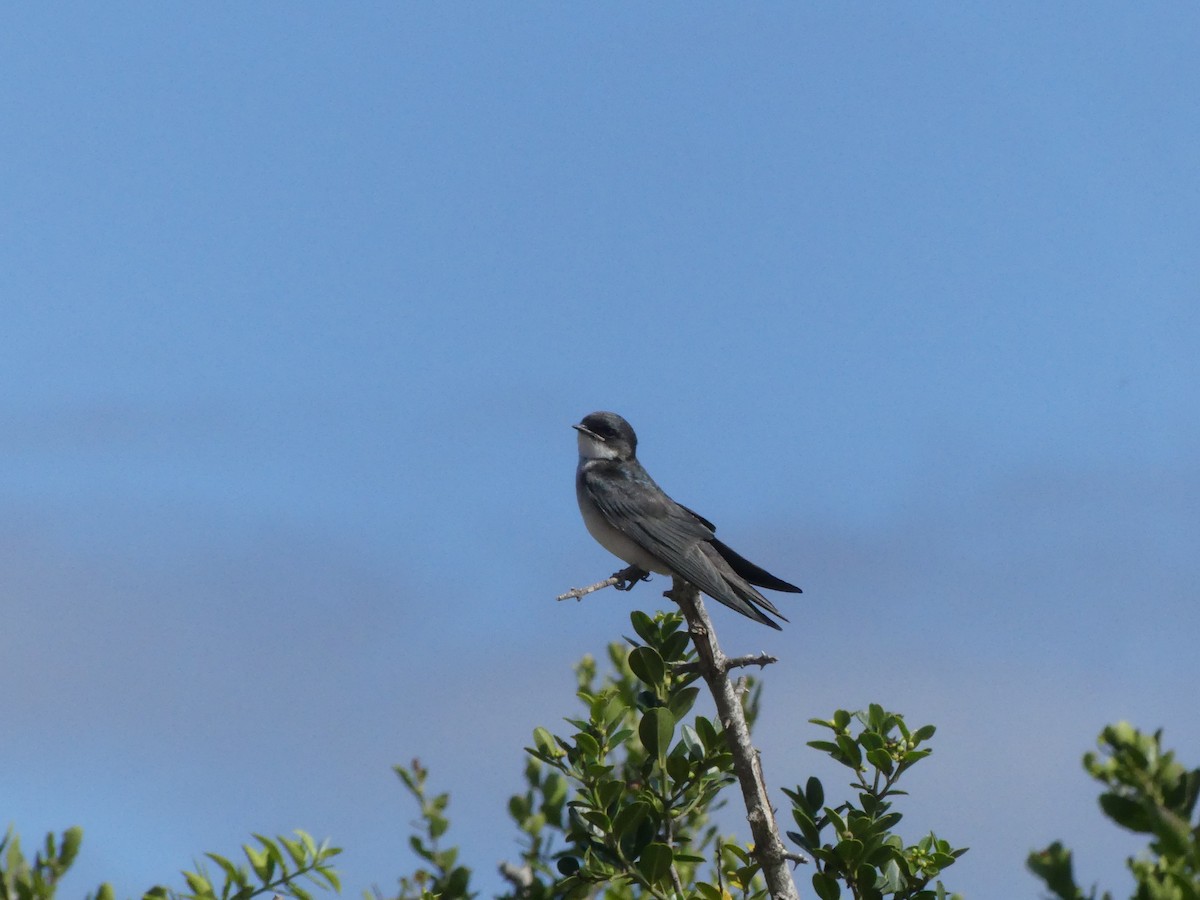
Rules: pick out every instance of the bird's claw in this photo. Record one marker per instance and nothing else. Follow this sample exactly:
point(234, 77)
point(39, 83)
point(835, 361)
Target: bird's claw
point(627, 578)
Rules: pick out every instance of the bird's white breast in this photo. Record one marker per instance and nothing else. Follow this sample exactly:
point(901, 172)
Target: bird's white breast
point(612, 540)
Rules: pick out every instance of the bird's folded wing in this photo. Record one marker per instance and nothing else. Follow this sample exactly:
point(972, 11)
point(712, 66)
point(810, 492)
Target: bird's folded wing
point(675, 535)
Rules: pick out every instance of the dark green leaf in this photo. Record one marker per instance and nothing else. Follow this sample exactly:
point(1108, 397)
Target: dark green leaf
point(826, 886)
point(678, 765)
point(681, 702)
point(648, 666)
point(1126, 812)
point(871, 740)
point(708, 734)
point(655, 730)
point(674, 648)
point(655, 862)
point(630, 817)
point(881, 760)
point(457, 883)
point(851, 755)
point(850, 850)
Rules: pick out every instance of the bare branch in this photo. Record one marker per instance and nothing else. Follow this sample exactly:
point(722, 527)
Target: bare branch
point(580, 593)
point(761, 660)
point(714, 669)
point(622, 581)
point(732, 662)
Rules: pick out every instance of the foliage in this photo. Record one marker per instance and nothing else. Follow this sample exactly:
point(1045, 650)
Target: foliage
point(621, 805)
point(1147, 792)
point(642, 781)
point(276, 866)
point(862, 852)
point(21, 879)
point(445, 879)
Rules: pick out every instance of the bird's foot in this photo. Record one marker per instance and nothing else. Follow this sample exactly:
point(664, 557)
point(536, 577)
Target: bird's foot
point(627, 578)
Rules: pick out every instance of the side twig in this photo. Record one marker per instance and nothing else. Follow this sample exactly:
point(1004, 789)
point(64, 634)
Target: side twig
point(733, 662)
point(626, 576)
point(769, 848)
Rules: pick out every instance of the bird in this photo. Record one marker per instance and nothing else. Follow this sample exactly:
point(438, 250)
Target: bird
point(633, 518)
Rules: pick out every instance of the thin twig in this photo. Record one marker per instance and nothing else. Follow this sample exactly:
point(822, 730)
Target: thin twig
point(580, 593)
point(628, 576)
point(733, 662)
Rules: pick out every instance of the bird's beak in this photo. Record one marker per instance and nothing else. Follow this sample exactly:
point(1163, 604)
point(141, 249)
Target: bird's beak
point(588, 432)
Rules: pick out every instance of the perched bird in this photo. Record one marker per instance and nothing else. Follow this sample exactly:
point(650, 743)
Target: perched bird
point(633, 519)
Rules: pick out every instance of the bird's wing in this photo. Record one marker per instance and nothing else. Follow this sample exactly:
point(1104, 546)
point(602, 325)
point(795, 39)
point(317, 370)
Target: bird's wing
point(752, 573)
point(756, 575)
point(638, 508)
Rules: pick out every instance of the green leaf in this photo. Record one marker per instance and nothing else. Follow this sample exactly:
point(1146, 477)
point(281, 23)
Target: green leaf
point(674, 648)
point(881, 760)
point(589, 747)
point(457, 883)
point(826, 886)
point(708, 734)
point(609, 791)
point(682, 701)
point(655, 730)
point(295, 850)
point(260, 862)
point(808, 828)
point(597, 818)
point(871, 740)
point(888, 821)
point(198, 883)
point(850, 850)
point(331, 876)
point(891, 879)
point(924, 733)
point(1126, 812)
point(630, 817)
point(678, 766)
point(1053, 865)
point(838, 823)
point(644, 626)
point(71, 840)
point(544, 741)
point(233, 874)
point(655, 862)
point(648, 666)
point(851, 755)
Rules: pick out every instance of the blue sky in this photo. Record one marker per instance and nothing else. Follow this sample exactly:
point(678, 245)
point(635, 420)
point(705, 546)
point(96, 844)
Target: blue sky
point(300, 303)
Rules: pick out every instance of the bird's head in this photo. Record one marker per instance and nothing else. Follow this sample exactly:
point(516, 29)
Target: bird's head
point(605, 435)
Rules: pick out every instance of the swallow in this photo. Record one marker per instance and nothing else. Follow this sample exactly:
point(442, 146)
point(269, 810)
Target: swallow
point(634, 519)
